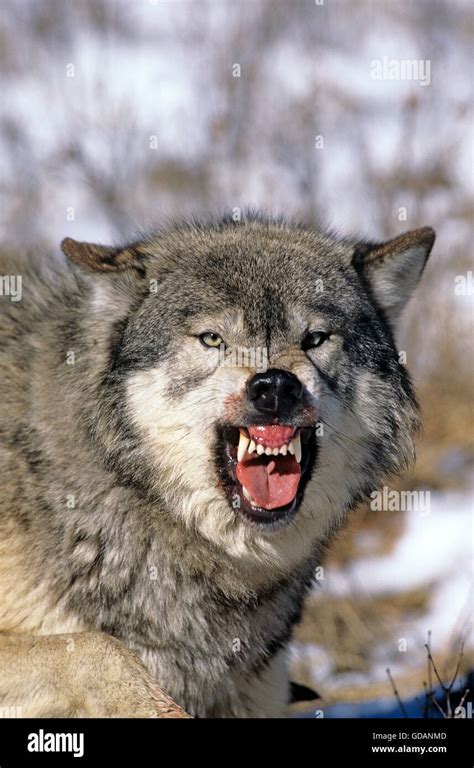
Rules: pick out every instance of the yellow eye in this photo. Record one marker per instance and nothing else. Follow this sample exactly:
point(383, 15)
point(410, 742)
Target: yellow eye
point(314, 339)
point(210, 339)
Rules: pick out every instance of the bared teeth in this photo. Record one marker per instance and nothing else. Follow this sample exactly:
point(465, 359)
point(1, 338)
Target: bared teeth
point(294, 447)
point(243, 444)
point(246, 445)
point(297, 446)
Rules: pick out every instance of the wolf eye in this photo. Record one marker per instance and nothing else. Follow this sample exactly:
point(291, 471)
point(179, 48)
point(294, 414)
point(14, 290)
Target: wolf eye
point(210, 339)
point(314, 339)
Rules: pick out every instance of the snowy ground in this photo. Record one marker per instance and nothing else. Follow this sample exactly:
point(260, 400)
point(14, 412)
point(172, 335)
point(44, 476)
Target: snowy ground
point(435, 551)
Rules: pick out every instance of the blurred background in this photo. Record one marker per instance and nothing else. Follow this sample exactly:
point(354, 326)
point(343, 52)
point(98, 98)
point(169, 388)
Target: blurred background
point(117, 114)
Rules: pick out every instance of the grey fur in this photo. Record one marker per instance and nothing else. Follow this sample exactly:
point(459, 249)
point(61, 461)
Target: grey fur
point(110, 526)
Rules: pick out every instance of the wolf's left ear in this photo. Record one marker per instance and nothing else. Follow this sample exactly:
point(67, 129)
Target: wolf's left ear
point(392, 270)
point(103, 258)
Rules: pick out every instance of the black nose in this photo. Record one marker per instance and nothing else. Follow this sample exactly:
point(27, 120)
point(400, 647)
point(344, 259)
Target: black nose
point(275, 391)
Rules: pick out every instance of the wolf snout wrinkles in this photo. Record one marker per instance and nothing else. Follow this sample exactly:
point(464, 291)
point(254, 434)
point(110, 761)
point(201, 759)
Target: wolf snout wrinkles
point(275, 391)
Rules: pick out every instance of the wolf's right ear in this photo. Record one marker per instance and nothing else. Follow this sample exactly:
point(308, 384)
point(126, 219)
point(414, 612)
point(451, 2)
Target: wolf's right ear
point(103, 258)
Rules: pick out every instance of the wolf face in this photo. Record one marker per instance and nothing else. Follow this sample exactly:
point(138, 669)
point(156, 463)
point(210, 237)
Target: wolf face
point(254, 386)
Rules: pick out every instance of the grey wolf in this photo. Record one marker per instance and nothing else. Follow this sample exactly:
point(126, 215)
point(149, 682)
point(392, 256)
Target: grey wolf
point(164, 502)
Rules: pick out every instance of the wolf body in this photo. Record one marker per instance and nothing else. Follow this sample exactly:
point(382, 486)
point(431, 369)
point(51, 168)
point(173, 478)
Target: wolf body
point(144, 552)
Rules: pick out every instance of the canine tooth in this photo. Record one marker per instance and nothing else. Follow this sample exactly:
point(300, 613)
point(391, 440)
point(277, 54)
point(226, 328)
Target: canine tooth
point(297, 446)
point(291, 448)
point(268, 451)
point(252, 447)
point(243, 443)
point(276, 451)
point(260, 449)
point(284, 450)
point(248, 496)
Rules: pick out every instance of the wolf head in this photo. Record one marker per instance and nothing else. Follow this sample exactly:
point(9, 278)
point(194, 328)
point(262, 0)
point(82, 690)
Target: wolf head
point(252, 385)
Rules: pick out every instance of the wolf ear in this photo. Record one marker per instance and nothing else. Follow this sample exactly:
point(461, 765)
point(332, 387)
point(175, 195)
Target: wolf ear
point(103, 258)
point(392, 269)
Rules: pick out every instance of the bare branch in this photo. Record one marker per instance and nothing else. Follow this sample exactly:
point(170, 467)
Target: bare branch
point(397, 696)
point(438, 707)
point(464, 697)
point(461, 656)
point(435, 668)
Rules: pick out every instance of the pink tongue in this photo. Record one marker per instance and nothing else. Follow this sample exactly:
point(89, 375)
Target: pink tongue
point(272, 481)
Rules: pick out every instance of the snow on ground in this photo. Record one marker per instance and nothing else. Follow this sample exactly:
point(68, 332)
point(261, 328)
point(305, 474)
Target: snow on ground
point(434, 551)
point(436, 545)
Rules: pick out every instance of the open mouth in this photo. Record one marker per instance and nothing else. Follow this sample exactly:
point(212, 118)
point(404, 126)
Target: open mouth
point(266, 468)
